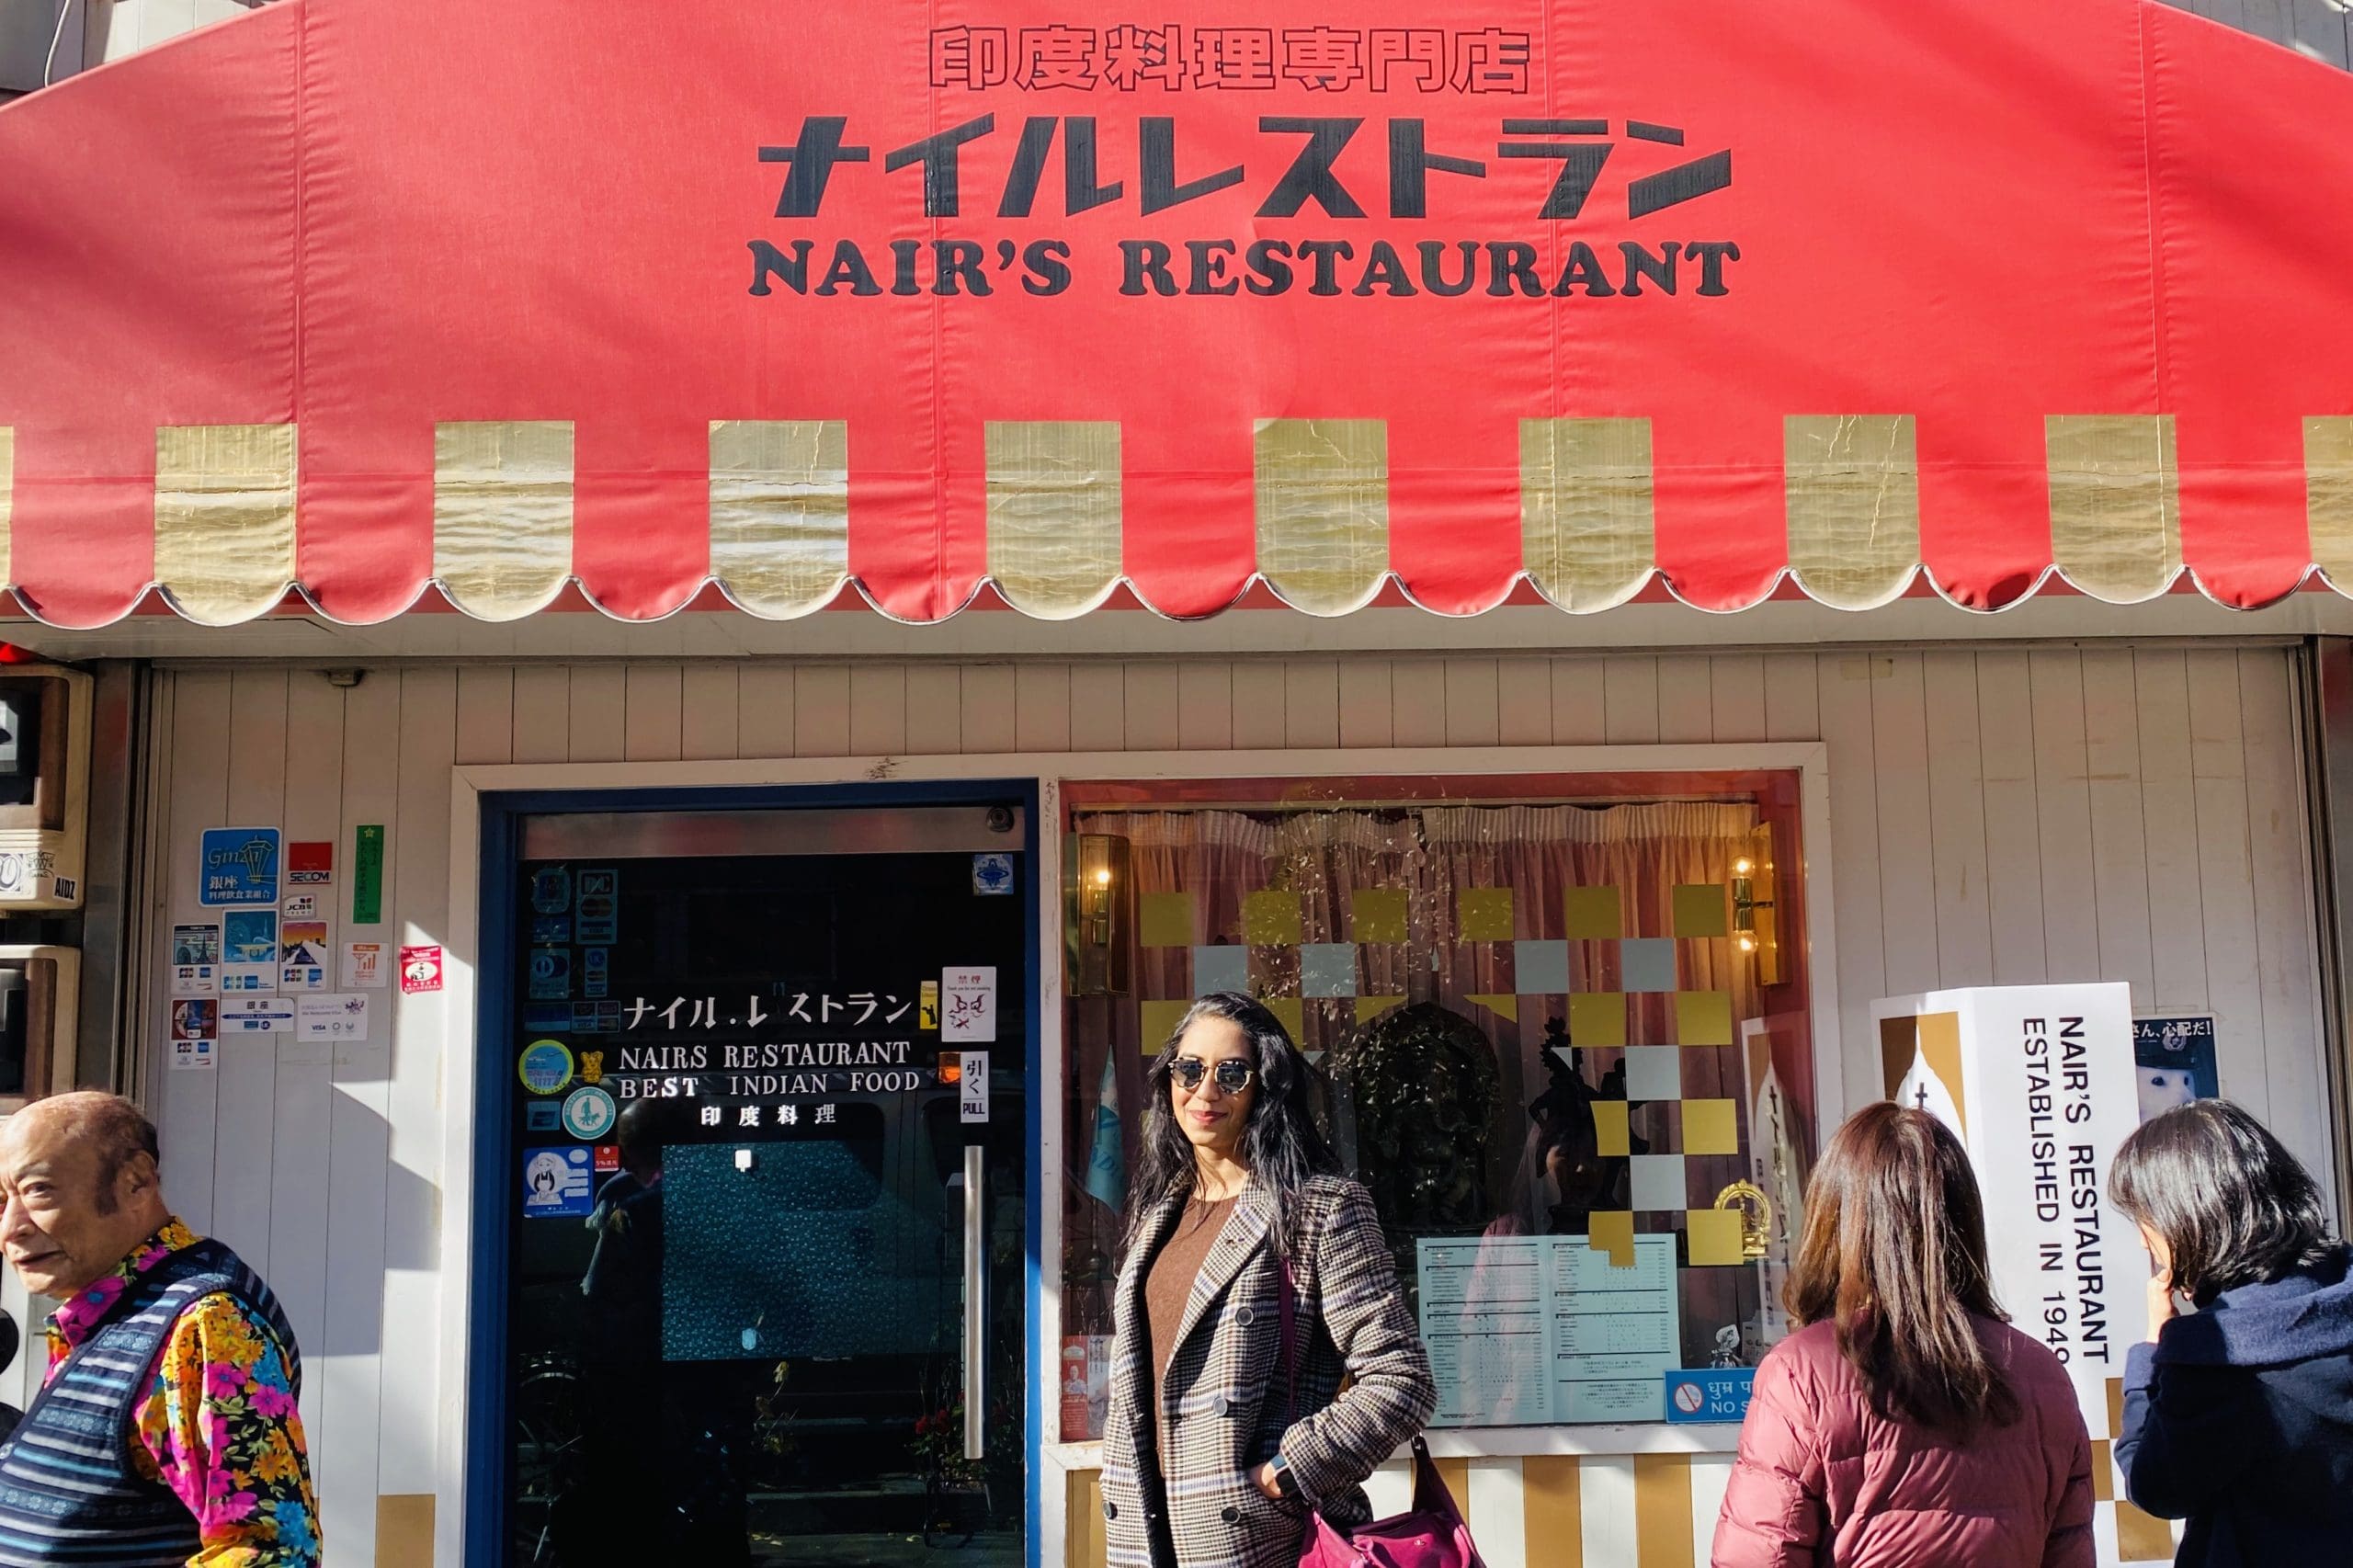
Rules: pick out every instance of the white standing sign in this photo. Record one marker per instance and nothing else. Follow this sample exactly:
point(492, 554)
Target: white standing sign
point(2038, 1081)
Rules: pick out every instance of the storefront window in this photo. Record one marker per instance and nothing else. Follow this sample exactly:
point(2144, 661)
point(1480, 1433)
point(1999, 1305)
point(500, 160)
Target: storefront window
point(1563, 1044)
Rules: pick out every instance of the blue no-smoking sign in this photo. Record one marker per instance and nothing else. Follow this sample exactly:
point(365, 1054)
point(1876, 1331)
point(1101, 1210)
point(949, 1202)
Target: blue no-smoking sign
point(1717, 1393)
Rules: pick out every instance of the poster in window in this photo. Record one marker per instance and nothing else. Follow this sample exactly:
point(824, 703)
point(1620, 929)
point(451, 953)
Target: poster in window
point(2174, 1063)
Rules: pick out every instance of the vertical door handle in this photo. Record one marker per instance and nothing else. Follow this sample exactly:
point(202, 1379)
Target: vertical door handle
point(975, 1259)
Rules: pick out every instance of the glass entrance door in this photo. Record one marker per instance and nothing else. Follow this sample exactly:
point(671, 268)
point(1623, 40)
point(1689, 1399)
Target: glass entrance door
point(765, 1281)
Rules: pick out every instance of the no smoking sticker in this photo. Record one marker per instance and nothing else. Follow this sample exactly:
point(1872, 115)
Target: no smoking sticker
point(1713, 1394)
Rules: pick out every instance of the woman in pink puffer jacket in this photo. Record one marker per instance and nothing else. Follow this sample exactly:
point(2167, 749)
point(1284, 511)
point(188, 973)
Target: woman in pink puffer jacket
point(1906, 1424)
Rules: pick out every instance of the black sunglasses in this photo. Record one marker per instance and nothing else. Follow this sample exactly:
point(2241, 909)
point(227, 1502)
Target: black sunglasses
point(1233, 1074)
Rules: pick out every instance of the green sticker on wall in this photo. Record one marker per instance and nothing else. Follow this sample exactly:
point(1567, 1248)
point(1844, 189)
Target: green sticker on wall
point(367, 875)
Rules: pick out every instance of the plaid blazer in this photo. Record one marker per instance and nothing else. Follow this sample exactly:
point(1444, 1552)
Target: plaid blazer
point(1177, 1461)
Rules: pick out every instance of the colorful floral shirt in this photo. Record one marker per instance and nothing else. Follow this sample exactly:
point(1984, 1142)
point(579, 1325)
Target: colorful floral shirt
point(218, 1425)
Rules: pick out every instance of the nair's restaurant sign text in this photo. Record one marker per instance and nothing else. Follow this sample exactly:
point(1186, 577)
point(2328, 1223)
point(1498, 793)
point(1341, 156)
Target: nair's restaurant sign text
point(1139, 157)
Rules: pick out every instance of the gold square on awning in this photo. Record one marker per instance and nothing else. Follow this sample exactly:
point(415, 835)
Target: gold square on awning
point(1322, 501)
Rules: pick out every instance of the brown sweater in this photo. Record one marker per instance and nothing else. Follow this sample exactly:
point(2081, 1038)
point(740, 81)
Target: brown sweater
point(1169, 1283)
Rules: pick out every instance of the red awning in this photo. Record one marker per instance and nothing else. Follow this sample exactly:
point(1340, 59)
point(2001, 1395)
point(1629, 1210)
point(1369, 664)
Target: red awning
point(371, 297)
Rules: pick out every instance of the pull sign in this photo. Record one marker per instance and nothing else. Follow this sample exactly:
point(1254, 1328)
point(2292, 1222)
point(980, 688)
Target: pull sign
point(972, 1087)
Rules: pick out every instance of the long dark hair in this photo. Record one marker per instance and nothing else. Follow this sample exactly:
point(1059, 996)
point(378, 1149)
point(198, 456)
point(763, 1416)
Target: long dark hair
point(2232, 1204)
point(1281, 1142)
point(1894, 1253)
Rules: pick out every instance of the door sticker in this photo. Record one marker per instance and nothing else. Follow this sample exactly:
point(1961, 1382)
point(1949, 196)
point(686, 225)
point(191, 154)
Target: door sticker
point(588, 1113)
point(302, 955)
point(240, 868)
point(420, 970)
point(256, 1015)
point(340, 1018)
point(367, 874)
point(546, 1066)
point(972, 1087)
point(558, 1183)
point(363, 966)
point(249, 949)
point(551, 974)
point(968, 1004)
point(195, 961)
point(599, 906)
point(551, 891)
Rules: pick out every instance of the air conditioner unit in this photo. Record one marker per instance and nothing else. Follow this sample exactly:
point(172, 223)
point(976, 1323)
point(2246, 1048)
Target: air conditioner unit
point(40, 991)
point(44, 786)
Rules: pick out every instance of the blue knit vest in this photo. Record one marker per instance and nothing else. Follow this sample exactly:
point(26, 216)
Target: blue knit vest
point(68, 1490)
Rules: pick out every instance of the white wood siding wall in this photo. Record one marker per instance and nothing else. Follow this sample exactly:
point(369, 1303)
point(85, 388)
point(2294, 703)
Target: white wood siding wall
point(1997, 816)
point(2316, 29)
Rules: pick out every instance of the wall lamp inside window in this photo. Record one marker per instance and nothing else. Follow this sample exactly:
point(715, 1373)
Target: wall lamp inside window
point(1098, 895)
point(1754, 929)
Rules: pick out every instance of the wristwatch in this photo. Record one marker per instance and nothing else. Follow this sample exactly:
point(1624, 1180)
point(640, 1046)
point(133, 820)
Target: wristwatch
point(1285, 1481)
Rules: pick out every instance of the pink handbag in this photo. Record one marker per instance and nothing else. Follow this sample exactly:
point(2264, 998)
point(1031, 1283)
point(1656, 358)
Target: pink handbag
point(1431, 1534)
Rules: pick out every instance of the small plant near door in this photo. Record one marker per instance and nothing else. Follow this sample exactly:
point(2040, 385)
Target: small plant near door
point(772, 1425)
point(955, 1495)
point(938, 1447)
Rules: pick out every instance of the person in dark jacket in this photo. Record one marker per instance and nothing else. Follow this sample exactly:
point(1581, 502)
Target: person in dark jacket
point(2238, 1416)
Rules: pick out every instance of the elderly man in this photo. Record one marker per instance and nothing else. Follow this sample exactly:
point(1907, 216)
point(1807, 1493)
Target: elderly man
point(165, 1432)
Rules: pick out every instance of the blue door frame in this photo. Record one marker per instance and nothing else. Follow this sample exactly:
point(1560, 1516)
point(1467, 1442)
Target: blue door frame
point(493, 1138)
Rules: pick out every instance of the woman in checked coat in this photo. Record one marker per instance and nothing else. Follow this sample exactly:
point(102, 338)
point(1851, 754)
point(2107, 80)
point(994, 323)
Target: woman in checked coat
point(1210, 1458)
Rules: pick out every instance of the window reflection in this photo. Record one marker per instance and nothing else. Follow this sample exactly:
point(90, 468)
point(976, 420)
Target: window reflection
point(1580, 1109)
point(739, 1338)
